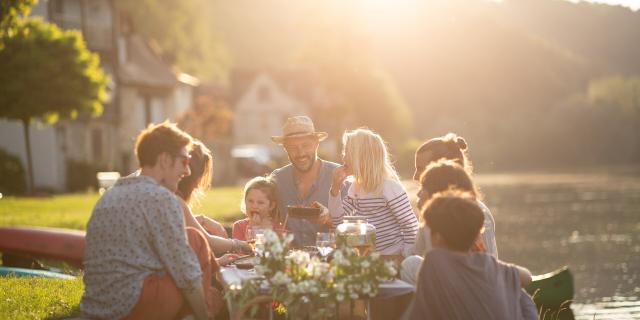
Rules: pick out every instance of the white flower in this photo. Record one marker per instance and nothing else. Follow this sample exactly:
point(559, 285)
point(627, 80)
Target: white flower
point(276, 248)
point(280, 278)
point(374, 255)
point(292, 288)
point(365, 264)
point(300, 258)
point(271, 237)
point(391, 269)
point(288, 238)
point(340, 297)
point(260, 269)
point(353, 296)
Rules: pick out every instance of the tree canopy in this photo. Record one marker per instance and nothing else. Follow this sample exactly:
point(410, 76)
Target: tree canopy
point(184, 32)
point(10, 10)
point(48, 73)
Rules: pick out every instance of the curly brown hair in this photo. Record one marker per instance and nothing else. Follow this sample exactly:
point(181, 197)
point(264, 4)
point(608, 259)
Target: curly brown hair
point(157, 139)
point(456, 217)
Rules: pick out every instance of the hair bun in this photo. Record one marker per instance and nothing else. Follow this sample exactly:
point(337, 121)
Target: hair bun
point(461, 143)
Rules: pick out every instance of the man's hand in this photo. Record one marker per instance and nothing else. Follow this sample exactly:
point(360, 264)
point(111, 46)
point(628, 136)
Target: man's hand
point(324, 217)
point(339, 174)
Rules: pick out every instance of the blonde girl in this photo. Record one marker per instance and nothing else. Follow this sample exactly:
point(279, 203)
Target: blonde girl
point(375, 193)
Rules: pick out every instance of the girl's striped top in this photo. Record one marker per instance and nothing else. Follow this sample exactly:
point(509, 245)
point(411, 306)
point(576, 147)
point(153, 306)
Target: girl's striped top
point(389, 211)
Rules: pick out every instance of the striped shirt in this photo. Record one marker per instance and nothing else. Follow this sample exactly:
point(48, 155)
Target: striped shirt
point(388, 211)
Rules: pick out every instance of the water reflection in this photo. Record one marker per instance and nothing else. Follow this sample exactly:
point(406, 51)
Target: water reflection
point(590, 222)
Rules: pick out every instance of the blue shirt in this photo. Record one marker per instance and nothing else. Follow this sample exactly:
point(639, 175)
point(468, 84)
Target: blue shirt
point(304, 231)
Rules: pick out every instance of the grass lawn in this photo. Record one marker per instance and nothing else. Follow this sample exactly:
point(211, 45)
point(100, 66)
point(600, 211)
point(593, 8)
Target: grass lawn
point(40, 298)
point(72, 211)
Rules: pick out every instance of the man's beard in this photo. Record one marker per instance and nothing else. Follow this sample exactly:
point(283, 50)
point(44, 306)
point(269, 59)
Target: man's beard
point(312, 161)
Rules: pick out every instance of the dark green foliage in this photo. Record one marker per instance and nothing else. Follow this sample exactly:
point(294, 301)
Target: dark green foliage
point(10, 10)
point(48, 73)
point(82, 176)
point(12, 173)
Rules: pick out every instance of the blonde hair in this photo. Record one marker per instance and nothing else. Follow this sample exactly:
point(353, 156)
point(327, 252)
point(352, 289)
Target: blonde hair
point(268, 186)
point(367, 155)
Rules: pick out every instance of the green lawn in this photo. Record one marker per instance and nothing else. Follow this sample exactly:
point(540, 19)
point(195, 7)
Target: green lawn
point(72, 211)
point(39, 298)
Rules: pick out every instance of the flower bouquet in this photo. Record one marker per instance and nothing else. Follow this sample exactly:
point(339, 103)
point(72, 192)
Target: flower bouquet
point(303, 285)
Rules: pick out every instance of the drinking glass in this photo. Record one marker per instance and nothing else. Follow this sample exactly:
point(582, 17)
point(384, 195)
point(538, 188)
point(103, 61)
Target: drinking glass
point(254, 235)
point(326, 242)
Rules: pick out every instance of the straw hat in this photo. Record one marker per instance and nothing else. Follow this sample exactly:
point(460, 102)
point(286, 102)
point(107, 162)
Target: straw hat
point(300, 126)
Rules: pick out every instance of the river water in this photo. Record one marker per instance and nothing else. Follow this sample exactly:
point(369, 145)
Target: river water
point(587, 221)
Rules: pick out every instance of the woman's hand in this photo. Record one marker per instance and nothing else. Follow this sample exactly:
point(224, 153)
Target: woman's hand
point(226, 259)
point(212, 227)
point(324, 217)
point(339, 174)
point(243, 247)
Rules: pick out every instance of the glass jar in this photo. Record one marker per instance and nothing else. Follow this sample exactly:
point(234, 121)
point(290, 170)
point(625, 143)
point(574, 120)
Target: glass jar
point(357, 233)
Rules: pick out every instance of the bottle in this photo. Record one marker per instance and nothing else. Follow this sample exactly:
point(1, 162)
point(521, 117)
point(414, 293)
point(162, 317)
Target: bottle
point(357, 233)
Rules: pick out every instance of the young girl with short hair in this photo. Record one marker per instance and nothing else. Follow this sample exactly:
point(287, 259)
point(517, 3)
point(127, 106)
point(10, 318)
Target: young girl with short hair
point(260, 205)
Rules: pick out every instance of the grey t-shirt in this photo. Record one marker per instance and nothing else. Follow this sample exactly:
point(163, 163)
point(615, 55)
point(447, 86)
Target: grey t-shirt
point(473, 286)
point(303, 230)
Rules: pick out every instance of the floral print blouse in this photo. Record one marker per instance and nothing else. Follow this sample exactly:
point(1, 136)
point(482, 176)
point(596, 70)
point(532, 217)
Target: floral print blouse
point(136, 229)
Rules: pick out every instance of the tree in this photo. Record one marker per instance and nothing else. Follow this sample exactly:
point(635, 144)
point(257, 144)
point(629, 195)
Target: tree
point(184, 32)
point(208, 119)
point(11, 10)
point(360, 92)
point(46, 74)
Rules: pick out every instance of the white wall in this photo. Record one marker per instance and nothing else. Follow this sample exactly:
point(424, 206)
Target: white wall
point(47, 156)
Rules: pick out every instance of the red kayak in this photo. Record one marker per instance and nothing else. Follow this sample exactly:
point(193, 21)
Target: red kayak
point(47, 243)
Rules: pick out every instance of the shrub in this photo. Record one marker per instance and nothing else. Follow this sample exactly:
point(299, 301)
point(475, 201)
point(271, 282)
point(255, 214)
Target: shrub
point(13, 180)
point(82, 176)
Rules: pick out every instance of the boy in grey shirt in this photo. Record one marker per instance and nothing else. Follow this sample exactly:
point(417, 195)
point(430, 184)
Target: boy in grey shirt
point(456, 284)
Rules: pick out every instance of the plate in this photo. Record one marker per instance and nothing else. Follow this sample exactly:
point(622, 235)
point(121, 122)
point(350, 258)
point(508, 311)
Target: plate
point(246, 261)
point(303, 212)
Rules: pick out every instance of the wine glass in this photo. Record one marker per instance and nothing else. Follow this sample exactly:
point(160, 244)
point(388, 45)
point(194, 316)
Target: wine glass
point(326, 242)
point(255, 235)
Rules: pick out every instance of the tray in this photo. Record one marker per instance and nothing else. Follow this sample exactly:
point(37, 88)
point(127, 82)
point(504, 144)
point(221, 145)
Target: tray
point(303, 212)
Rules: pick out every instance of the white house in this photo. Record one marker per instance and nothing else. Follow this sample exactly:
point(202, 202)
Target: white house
point(261, 110)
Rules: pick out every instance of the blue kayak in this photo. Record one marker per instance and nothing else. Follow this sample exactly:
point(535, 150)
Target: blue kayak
point(22, 272)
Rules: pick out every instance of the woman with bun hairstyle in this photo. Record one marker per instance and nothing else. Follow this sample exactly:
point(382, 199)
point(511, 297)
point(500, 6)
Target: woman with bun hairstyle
point(450, 147)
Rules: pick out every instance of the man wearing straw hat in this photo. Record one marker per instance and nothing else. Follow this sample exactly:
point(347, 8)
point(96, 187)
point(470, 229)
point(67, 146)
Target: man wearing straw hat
point(306, 180)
